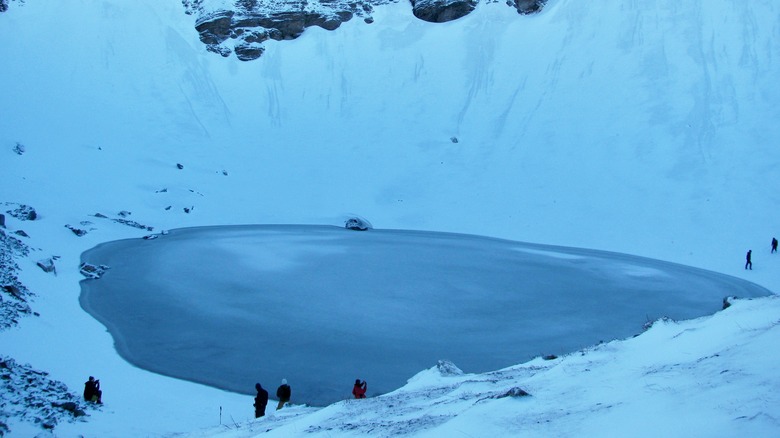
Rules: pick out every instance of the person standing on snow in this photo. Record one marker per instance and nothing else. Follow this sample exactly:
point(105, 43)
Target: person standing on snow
point(283, 392)
point(359, 390)
point(261, 400)
point(774, 245)
point(747, 258)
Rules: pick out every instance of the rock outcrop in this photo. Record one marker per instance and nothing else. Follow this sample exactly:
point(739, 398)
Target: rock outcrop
point(242, 28)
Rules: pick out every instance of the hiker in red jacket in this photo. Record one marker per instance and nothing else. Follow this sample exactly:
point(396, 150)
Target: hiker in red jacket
point(359, 390)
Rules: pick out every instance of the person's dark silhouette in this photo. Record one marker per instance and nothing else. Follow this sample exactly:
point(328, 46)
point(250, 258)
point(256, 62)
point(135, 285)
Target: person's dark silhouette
point(261, 400)
point(283, 392)
point(748, 262)
point(92, 392)
point(774, 245)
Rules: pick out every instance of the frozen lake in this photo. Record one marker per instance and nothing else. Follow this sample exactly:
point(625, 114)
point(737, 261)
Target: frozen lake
point(321, 306)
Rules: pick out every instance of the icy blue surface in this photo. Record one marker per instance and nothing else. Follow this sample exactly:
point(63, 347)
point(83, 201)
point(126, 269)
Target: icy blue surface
point(323, 306)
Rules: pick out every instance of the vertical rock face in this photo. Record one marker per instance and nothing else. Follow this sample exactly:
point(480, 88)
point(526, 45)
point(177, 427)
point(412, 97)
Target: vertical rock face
point(246, 24)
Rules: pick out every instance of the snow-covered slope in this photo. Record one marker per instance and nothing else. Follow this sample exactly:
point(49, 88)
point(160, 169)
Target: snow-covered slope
point(640, 127)
point(707, 377)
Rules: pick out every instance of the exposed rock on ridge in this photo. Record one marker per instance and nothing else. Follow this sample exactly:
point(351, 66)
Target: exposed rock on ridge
point(440, 11)
point(242, 28)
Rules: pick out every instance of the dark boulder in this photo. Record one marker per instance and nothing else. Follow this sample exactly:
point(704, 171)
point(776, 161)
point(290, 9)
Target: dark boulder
point(248, 52)
point(529, 6)
point(357, 224)
point(440, 11)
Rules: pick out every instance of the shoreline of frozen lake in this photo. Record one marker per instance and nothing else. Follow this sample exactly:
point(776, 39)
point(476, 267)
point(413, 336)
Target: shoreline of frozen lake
point(229, 306)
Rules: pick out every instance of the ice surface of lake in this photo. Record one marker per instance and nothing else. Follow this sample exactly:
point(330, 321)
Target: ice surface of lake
point(321, 306)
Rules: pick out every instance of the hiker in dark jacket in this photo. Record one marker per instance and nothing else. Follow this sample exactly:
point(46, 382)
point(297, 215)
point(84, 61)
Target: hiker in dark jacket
point(748, 262)
point(261, 400)
point(774, 245)
point(283, 392)
point(359, 390)
point(92, 391)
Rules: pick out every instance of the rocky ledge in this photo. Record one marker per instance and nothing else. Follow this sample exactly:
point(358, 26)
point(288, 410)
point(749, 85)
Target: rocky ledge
point(242, 27)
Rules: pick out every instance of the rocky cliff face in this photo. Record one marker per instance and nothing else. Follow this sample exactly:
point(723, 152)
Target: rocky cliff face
point(242, 27)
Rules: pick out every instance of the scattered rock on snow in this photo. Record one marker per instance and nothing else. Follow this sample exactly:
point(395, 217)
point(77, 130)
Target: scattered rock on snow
point(19, 149)
point(77, 231)
point(23, 212)
point(124, 213)
point(513, 392)
point(133, 224)
point(30, 395)
point(14, 296)
point(179, 166)
point(47, 265)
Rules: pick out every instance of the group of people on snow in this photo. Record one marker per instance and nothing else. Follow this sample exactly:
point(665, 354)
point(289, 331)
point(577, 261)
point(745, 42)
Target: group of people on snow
point(284, 392)
point(749, 255)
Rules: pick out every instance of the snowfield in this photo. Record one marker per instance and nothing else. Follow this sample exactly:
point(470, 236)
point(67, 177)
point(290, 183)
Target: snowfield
point(642, 128)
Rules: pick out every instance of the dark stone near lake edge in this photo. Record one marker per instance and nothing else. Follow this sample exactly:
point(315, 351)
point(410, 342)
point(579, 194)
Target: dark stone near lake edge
point(92, 271)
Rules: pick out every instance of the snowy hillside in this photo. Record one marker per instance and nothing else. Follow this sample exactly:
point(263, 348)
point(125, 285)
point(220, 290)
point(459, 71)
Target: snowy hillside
point(646, 128)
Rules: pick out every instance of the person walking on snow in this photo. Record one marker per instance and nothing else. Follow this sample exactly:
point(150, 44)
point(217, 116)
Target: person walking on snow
point(747, 258)
point(283, 392)
point(261, 400)
point(774, 245)
point(359, 390)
